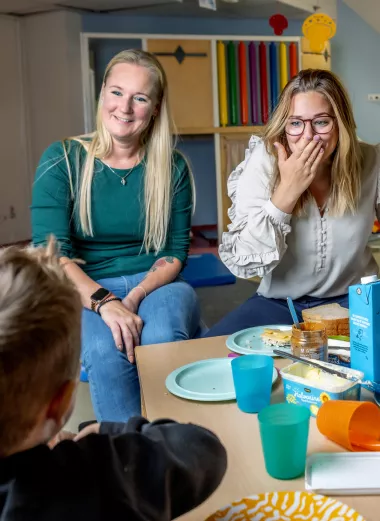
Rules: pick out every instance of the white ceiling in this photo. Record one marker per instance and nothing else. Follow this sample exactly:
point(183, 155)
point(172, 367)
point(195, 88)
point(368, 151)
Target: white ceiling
point(369, 10)
point(244, 8)
point(33, 6)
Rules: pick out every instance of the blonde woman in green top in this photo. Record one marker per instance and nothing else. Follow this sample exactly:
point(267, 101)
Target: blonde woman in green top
point(121, 200)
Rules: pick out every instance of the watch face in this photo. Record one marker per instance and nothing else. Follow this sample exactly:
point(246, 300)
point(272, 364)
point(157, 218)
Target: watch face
point(99, 294)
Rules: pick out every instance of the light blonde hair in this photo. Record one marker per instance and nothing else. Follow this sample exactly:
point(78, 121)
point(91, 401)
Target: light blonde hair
point(40, 317)
point(157, 141)
point(346, 164)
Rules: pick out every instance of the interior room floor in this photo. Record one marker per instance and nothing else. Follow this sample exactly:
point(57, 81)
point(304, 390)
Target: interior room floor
point(215, 301)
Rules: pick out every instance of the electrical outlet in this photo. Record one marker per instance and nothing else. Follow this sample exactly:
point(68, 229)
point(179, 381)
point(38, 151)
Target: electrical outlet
point(373, 97)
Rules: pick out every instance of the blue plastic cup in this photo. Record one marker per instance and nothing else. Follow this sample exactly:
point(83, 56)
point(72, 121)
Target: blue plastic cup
point(252, 375)
point(284, 431)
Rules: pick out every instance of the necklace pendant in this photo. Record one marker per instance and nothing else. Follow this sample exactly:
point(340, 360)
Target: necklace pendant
point(123, 182)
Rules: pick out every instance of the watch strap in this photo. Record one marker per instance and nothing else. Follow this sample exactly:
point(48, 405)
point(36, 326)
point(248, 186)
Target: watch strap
point(106, 302)
point(96, 302)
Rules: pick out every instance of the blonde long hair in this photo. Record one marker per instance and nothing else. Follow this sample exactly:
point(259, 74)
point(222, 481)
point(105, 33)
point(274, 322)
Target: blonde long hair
point(158, 142)
point(346, 165)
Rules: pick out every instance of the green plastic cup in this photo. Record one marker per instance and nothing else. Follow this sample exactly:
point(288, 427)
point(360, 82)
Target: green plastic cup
point(284, 431)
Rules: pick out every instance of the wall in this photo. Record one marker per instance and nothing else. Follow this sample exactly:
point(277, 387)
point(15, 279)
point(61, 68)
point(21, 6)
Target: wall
point(123, 23)
point(41, 101)
point(200, 152)
point(355, 51)
point(104, 50)
point(14, 185)
point(53, 77)
point(355, 54)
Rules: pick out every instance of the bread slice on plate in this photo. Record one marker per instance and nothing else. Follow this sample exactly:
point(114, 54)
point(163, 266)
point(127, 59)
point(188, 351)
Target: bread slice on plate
point(333, 316)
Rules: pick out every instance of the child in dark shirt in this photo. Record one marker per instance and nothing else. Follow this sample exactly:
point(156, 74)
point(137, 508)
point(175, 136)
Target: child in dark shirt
point(133, 472)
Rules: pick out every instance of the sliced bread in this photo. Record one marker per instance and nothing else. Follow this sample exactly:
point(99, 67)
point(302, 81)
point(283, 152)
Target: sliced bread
point(333, 316)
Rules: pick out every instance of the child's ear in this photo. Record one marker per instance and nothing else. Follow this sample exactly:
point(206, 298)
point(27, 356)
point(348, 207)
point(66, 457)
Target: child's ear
point(61, 405)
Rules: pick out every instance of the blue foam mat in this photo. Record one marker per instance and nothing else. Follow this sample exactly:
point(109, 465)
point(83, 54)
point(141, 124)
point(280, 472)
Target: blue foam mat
point(206, 269)
point(83, 374)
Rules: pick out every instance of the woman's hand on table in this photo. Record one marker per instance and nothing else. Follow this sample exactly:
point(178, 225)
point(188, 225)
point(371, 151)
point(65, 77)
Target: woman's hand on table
point(297, 171)
point(125, 326)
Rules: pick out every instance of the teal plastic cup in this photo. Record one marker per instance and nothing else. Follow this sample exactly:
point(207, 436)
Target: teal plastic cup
point(252, 375)
point(284, 431)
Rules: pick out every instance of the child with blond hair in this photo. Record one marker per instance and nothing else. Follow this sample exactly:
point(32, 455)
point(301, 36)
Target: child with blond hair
point(132, 472)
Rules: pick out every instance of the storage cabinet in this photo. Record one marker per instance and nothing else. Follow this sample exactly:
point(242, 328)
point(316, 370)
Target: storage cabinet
point(187, 64)
point(193, 67)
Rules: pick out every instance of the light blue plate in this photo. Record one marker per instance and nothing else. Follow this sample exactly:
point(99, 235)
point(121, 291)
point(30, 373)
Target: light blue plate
point(205, 381)
point(249, 342)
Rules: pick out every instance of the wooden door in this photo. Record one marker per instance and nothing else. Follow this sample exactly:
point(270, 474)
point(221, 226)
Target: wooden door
point(232, 153)
point(188, 66)
point(14, 180)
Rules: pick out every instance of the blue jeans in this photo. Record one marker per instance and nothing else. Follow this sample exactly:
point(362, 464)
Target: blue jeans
point(170, 313)
point(262, 311)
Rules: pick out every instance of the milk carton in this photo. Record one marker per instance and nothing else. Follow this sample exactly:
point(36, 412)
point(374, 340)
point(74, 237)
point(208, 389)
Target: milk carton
point(364, 308)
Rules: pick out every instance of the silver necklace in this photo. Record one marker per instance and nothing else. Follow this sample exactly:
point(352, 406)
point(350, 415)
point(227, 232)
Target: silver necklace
point(123, 179)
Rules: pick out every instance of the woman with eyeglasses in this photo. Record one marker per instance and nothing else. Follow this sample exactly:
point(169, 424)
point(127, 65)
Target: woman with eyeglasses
point(303, 206)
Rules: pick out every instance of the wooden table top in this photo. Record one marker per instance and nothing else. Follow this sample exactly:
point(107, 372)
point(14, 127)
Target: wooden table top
point(246, 474)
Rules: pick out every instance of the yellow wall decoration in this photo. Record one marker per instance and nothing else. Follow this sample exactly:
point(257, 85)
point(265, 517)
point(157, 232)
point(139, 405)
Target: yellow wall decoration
point(318, 28)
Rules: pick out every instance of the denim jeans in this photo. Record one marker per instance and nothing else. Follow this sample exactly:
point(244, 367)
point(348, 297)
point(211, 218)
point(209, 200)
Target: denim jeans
point(262, 311)
point(170, 313)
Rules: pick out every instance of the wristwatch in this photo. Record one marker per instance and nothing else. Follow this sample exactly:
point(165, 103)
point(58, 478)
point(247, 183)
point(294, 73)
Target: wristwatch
point(98, 297)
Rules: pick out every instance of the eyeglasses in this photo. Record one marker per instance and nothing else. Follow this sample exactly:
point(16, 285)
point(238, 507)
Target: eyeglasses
point(320, 125)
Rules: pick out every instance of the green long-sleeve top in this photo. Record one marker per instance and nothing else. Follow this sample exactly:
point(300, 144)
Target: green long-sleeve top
point(118, 213)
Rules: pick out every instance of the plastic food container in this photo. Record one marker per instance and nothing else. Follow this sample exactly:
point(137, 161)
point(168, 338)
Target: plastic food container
point(339, 351)
point(343, 473)
point(339, 357)
point(304, 385)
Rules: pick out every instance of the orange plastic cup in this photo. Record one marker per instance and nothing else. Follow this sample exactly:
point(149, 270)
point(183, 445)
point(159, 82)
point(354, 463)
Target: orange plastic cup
point(344, 422)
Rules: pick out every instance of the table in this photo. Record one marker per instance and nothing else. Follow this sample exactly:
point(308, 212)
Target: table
point(246, 474)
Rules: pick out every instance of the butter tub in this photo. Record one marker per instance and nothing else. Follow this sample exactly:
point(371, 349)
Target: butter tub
point(304, 385)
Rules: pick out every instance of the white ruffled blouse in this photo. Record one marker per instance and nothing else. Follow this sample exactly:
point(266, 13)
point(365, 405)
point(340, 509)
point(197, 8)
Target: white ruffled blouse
point(297, 256)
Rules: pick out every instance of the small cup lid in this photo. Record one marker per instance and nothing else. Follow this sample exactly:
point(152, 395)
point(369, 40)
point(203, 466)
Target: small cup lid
point(368, 279)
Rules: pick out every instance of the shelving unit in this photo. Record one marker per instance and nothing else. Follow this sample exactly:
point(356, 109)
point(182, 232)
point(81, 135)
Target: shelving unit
point(191, 64)
point(220, 130)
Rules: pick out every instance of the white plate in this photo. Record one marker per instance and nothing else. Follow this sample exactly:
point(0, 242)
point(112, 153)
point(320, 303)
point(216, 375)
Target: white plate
point(249, 342)
point(205, 381)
